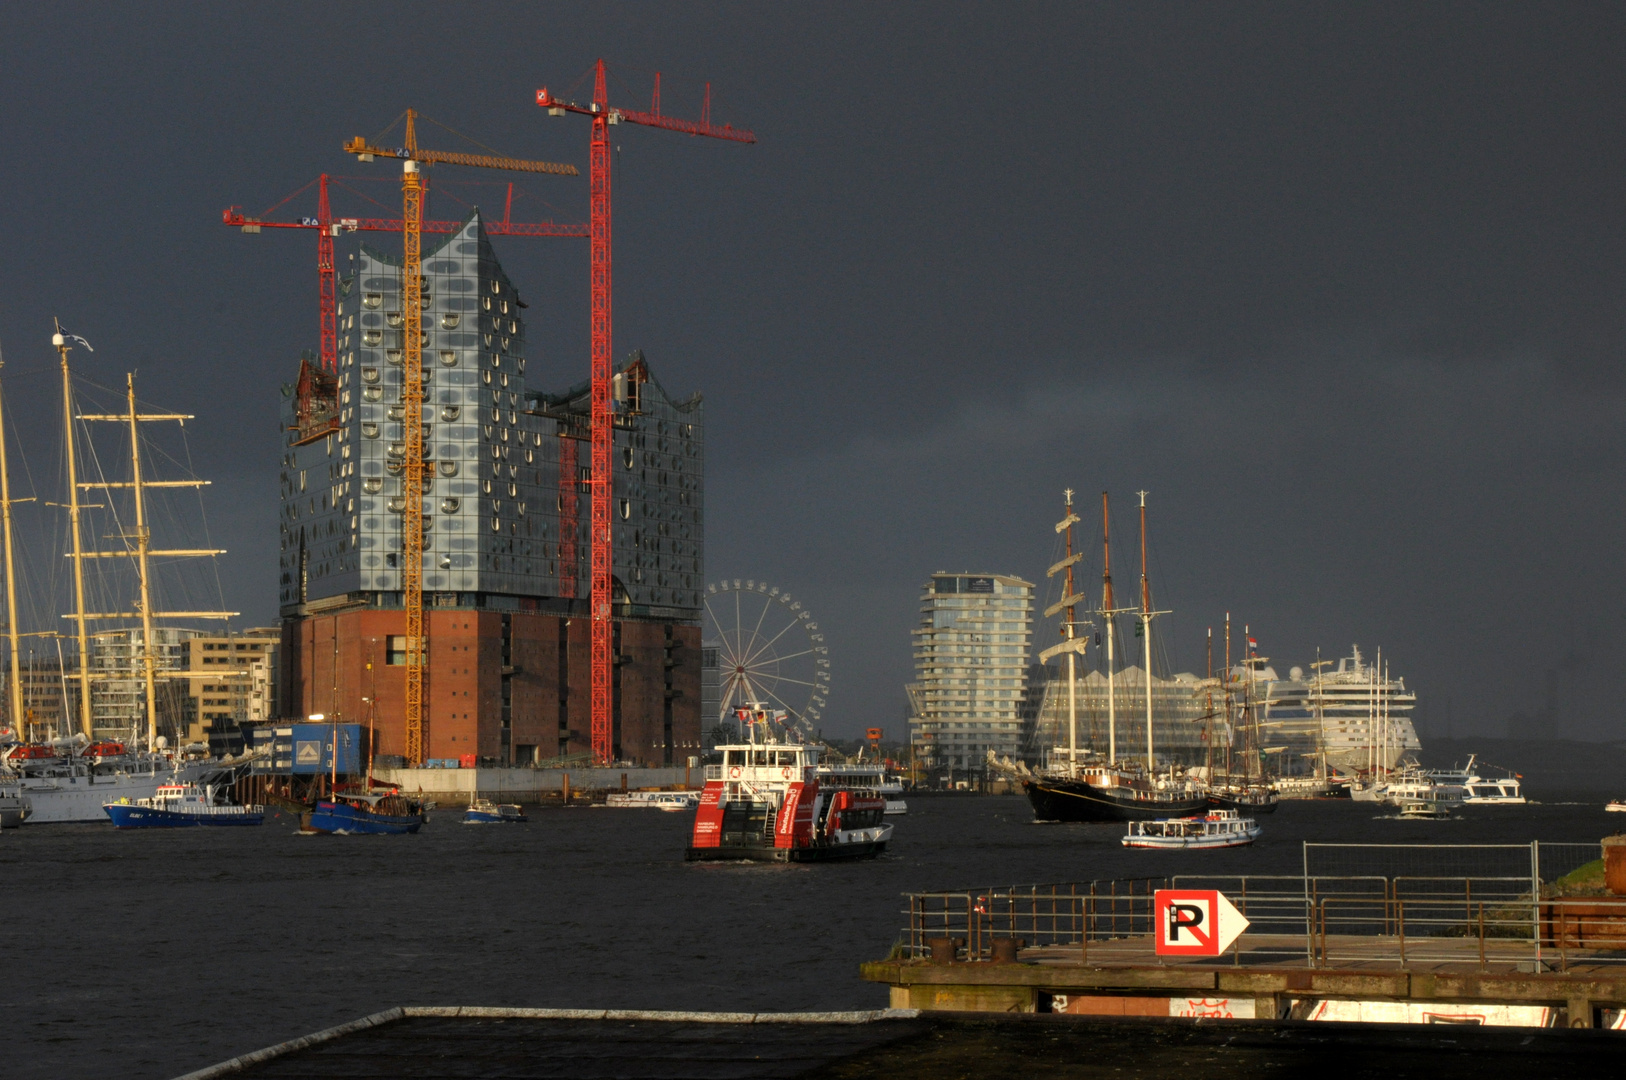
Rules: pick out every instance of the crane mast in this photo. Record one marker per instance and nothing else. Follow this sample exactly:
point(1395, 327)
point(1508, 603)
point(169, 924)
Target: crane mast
point(412, 435)
point(415, 471)
point(601, 431)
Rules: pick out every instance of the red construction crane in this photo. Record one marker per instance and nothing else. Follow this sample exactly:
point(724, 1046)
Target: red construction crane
point(327, 227)
point(599, 428)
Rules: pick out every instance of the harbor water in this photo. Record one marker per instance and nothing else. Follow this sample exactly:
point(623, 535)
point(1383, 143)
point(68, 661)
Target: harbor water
point(147, 954)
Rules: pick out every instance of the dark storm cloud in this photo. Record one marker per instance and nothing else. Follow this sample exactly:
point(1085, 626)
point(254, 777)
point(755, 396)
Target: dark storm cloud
point(1340, 285)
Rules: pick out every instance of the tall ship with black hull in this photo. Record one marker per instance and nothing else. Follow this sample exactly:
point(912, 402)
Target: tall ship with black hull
point(1073, 790)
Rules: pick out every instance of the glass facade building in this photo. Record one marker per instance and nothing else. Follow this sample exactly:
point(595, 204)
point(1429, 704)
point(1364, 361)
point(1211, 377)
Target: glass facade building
point(971, 662)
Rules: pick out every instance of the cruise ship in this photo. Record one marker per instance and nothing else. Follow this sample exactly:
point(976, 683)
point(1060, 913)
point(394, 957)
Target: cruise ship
point(1358, 714)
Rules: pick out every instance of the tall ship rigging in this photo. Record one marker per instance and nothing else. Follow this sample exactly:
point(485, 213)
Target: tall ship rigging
point(1091, 789)
point(69, 777)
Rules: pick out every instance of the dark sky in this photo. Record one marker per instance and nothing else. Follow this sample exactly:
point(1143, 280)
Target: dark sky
point(1339, 285)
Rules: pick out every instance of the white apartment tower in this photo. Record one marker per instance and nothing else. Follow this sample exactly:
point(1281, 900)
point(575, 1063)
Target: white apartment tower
point(971, 660)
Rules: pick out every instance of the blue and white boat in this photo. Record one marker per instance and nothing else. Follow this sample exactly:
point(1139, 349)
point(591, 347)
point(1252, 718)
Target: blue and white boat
point(179, 806)
point(371, 812)
point(486, 812)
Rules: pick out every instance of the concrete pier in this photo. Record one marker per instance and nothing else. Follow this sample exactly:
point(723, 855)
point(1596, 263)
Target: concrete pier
point(530, 785)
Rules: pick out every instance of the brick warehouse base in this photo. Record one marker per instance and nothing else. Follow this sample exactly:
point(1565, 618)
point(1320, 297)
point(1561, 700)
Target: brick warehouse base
point(511, 687)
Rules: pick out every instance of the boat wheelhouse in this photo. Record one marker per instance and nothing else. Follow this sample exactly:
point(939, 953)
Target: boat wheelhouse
point(765, 802)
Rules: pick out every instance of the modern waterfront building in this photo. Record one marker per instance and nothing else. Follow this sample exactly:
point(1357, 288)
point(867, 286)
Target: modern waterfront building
point(232, 680)
point(506, 515)
point(971, 665)
point(118, 684)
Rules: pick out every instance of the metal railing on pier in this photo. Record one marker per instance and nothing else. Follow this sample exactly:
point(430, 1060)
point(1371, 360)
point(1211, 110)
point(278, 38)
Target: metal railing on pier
point(1490, 921)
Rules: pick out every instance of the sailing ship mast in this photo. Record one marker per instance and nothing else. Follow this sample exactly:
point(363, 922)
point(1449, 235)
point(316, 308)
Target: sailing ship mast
point(1320, 717)
point(1146, 616)
point(1071, 646)
point(1108, 622)
point(78, 616)
point(142, 551)
point(19, 724)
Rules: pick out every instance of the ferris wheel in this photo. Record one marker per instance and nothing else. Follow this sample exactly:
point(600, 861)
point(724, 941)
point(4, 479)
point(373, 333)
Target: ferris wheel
point(769, 652)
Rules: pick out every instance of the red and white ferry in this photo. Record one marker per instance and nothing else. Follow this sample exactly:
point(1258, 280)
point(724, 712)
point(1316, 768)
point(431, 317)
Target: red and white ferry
point(766, 802)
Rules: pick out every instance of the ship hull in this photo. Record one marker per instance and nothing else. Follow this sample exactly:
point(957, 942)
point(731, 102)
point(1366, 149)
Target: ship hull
point(341, 818)
point(1077, 800)
point(766, 853)
point(146, 817)
point(68, 799)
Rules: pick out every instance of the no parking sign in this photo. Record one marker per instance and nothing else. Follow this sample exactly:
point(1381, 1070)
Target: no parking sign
point(1195, 922)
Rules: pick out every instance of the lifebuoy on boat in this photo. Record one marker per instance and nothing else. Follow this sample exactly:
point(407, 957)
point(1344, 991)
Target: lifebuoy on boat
point(784, 773)
point(733, 772)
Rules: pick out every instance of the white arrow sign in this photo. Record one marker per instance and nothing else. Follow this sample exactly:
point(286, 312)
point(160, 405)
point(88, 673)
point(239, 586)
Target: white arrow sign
point(1195, 922)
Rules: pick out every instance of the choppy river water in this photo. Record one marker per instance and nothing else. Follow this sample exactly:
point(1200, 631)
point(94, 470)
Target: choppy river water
point(148, 954)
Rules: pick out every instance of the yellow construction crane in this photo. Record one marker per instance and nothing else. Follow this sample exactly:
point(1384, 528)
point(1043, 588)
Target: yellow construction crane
point(414, 473)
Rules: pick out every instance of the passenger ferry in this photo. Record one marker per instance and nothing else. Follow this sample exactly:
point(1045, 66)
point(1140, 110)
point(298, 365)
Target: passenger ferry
point(1220, 829)
point(766, 802)
point(1481, 790)
point(176, 806)
point(674, 802)
point(867, 778)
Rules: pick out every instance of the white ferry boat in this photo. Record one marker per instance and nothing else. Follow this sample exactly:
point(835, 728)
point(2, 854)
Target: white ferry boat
point(1482, 790)
point(869, 779)
point(765, 802)
point(670, 801)
point(1219, 829)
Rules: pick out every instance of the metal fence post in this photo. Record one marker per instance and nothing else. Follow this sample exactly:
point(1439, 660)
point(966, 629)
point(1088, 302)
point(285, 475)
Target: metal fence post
point(1535, 898)
point(1309, 907)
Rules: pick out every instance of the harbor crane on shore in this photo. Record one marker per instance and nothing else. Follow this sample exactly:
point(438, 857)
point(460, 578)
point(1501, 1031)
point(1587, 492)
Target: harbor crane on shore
point(327, 227)
point(412, 158)
point(603, 116)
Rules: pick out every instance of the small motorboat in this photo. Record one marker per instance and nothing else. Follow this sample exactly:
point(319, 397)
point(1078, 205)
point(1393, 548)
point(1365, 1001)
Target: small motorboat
point(486, 812)
point(1616, 807)
point(1424, 810)
point(1219, 829)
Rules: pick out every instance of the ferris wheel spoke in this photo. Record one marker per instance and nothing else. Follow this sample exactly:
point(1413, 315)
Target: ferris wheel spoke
point(758, 626)
point(791, 656)
point(798, 682)
point(770, 641)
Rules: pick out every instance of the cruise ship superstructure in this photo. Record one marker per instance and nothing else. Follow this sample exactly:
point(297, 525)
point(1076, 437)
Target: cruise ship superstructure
point(1355, 713)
